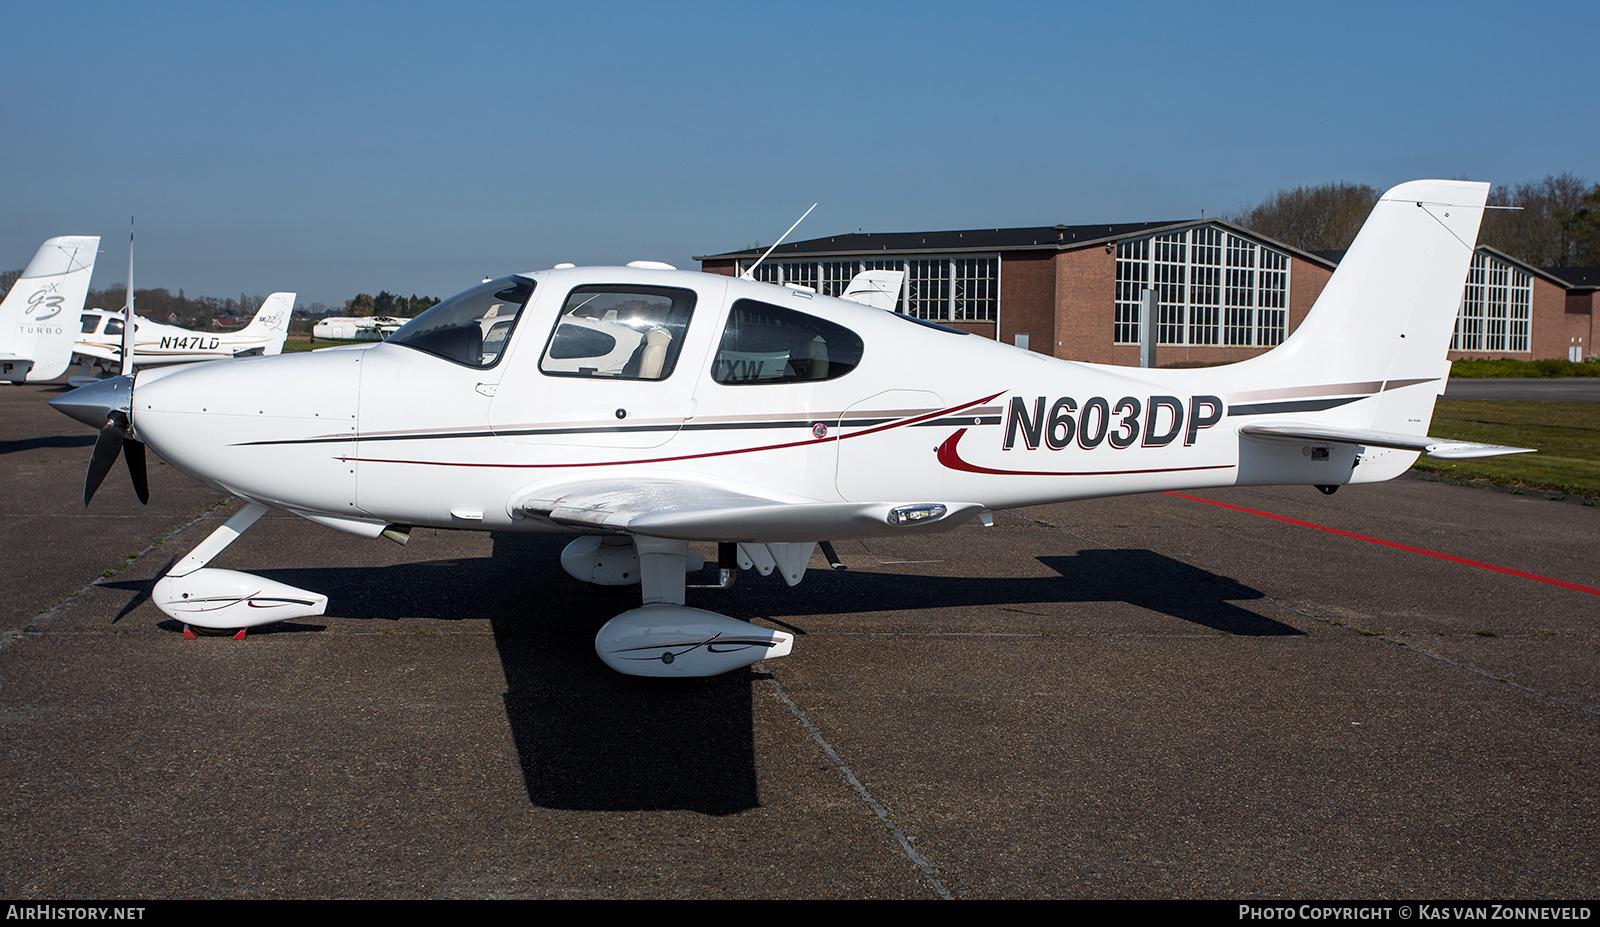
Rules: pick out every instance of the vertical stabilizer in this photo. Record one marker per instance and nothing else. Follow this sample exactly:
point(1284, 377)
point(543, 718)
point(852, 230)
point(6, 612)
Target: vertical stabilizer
point(1385, 318)
point(272, 321)
point(41, 316)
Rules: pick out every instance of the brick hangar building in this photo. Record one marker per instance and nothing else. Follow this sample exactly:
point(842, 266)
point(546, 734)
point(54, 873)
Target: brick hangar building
point(1224, 293)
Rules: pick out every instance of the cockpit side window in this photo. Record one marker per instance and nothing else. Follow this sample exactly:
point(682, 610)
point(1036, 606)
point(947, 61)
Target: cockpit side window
point(90, 323)
point(619, 332)
point(469, 328)
point(769, 344)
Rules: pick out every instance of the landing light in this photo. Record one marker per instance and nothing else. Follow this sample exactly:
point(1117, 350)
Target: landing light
point(911, 514)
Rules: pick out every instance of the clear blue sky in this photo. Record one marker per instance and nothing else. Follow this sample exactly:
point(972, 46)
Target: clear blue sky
point(336, 148)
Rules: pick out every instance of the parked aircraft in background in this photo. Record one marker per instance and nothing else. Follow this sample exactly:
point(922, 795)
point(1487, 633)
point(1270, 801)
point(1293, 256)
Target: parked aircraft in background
point(349, 328)
point(100, 338)
point(879, 289)
point(39, 317)
point(768, 419)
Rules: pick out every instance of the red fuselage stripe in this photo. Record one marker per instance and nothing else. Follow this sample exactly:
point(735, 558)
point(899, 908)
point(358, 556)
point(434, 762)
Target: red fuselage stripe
point(652, 460)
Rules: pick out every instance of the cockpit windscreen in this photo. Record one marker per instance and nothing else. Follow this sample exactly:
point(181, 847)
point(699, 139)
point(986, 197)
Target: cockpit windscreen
point(469, 328)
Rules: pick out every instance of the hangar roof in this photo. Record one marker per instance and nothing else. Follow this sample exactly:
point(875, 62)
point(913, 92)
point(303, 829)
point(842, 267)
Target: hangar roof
point(1057, 237)
point(1573, 279)
point(1576, 278)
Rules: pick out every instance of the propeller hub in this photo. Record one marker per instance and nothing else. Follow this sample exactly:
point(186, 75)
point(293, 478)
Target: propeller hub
point(93, 404)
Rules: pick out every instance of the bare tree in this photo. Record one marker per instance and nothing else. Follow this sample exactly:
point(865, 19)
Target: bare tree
point(1320, 218)
point(1586, 230)
point(1553, 224)
point(1556, 222)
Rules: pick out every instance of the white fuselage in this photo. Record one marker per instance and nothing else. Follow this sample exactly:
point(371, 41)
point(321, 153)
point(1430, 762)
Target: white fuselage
point(159, 343)
point(670, 407)
point(393, 435)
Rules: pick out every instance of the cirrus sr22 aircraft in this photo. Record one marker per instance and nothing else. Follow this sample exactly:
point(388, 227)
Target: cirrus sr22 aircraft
point(101, 342)
point(643, 409)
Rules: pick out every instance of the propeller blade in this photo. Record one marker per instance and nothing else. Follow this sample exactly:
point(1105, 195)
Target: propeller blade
point(106, 448)
point(133, 455)
point(127, 322)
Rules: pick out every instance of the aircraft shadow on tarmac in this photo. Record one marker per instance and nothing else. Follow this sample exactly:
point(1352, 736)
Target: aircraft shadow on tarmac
point(1141, 578)
point(32, 444)
point(590, 739)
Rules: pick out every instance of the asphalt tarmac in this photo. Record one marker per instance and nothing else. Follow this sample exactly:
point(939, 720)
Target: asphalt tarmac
point(1144, 697)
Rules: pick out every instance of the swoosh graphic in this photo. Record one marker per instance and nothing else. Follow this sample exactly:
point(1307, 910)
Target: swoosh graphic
point(951, 458)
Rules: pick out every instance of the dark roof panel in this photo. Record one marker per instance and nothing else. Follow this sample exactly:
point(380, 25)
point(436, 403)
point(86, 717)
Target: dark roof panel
point(960, 240)
point(1576, 278)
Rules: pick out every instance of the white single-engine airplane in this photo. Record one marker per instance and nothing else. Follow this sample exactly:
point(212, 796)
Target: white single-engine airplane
point(39, 317)
point(350, 328)
point(769, 419)
point(100, 338)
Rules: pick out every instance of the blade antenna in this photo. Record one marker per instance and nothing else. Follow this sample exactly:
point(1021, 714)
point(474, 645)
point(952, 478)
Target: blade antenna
point(749, 271)
point(127, 322)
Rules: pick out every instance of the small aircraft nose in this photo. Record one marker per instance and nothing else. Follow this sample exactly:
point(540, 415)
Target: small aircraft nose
point(94, 403)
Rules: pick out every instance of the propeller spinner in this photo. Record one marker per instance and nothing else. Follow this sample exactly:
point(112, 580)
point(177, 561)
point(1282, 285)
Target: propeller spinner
point(108, 405)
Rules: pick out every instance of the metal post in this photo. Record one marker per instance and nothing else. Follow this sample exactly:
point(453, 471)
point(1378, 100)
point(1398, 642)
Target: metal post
point(1147, 328)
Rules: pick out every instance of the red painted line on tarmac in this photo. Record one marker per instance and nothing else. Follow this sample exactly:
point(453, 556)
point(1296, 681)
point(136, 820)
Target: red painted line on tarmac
point(1415, 550)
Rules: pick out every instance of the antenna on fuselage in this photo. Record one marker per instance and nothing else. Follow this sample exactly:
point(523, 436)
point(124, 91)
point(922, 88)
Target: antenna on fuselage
point(749, 271)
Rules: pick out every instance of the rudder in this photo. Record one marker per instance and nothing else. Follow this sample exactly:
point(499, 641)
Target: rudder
point(41, 316)
point(1385, 318)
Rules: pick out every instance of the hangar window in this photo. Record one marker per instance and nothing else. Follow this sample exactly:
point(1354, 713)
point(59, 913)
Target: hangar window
point(1239, 294)
point(1272, 298)
point(1212, 287)
point(770, 344)
point(619, 332)
point(939, 289)
point(469, 328)
point(927, 290)
point(1495, 307)
point(1133, 277)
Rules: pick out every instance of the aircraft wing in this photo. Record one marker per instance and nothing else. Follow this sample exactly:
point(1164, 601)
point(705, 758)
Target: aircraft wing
point(1442, 448)
point(97, 351)
point(686, 511)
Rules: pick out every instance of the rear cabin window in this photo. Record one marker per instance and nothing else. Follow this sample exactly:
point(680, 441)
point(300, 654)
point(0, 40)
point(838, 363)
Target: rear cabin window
point(769, 344)
point(619, 332)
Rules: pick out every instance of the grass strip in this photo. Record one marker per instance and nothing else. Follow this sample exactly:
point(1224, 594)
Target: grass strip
point(1566, 436)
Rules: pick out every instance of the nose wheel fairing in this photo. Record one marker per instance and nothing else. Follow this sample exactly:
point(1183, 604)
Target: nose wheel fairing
point(225, 599)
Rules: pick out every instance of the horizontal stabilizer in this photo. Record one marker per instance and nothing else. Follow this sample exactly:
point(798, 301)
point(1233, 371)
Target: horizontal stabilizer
point(695, 512)
point(879, 289)
point(1442, 448)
